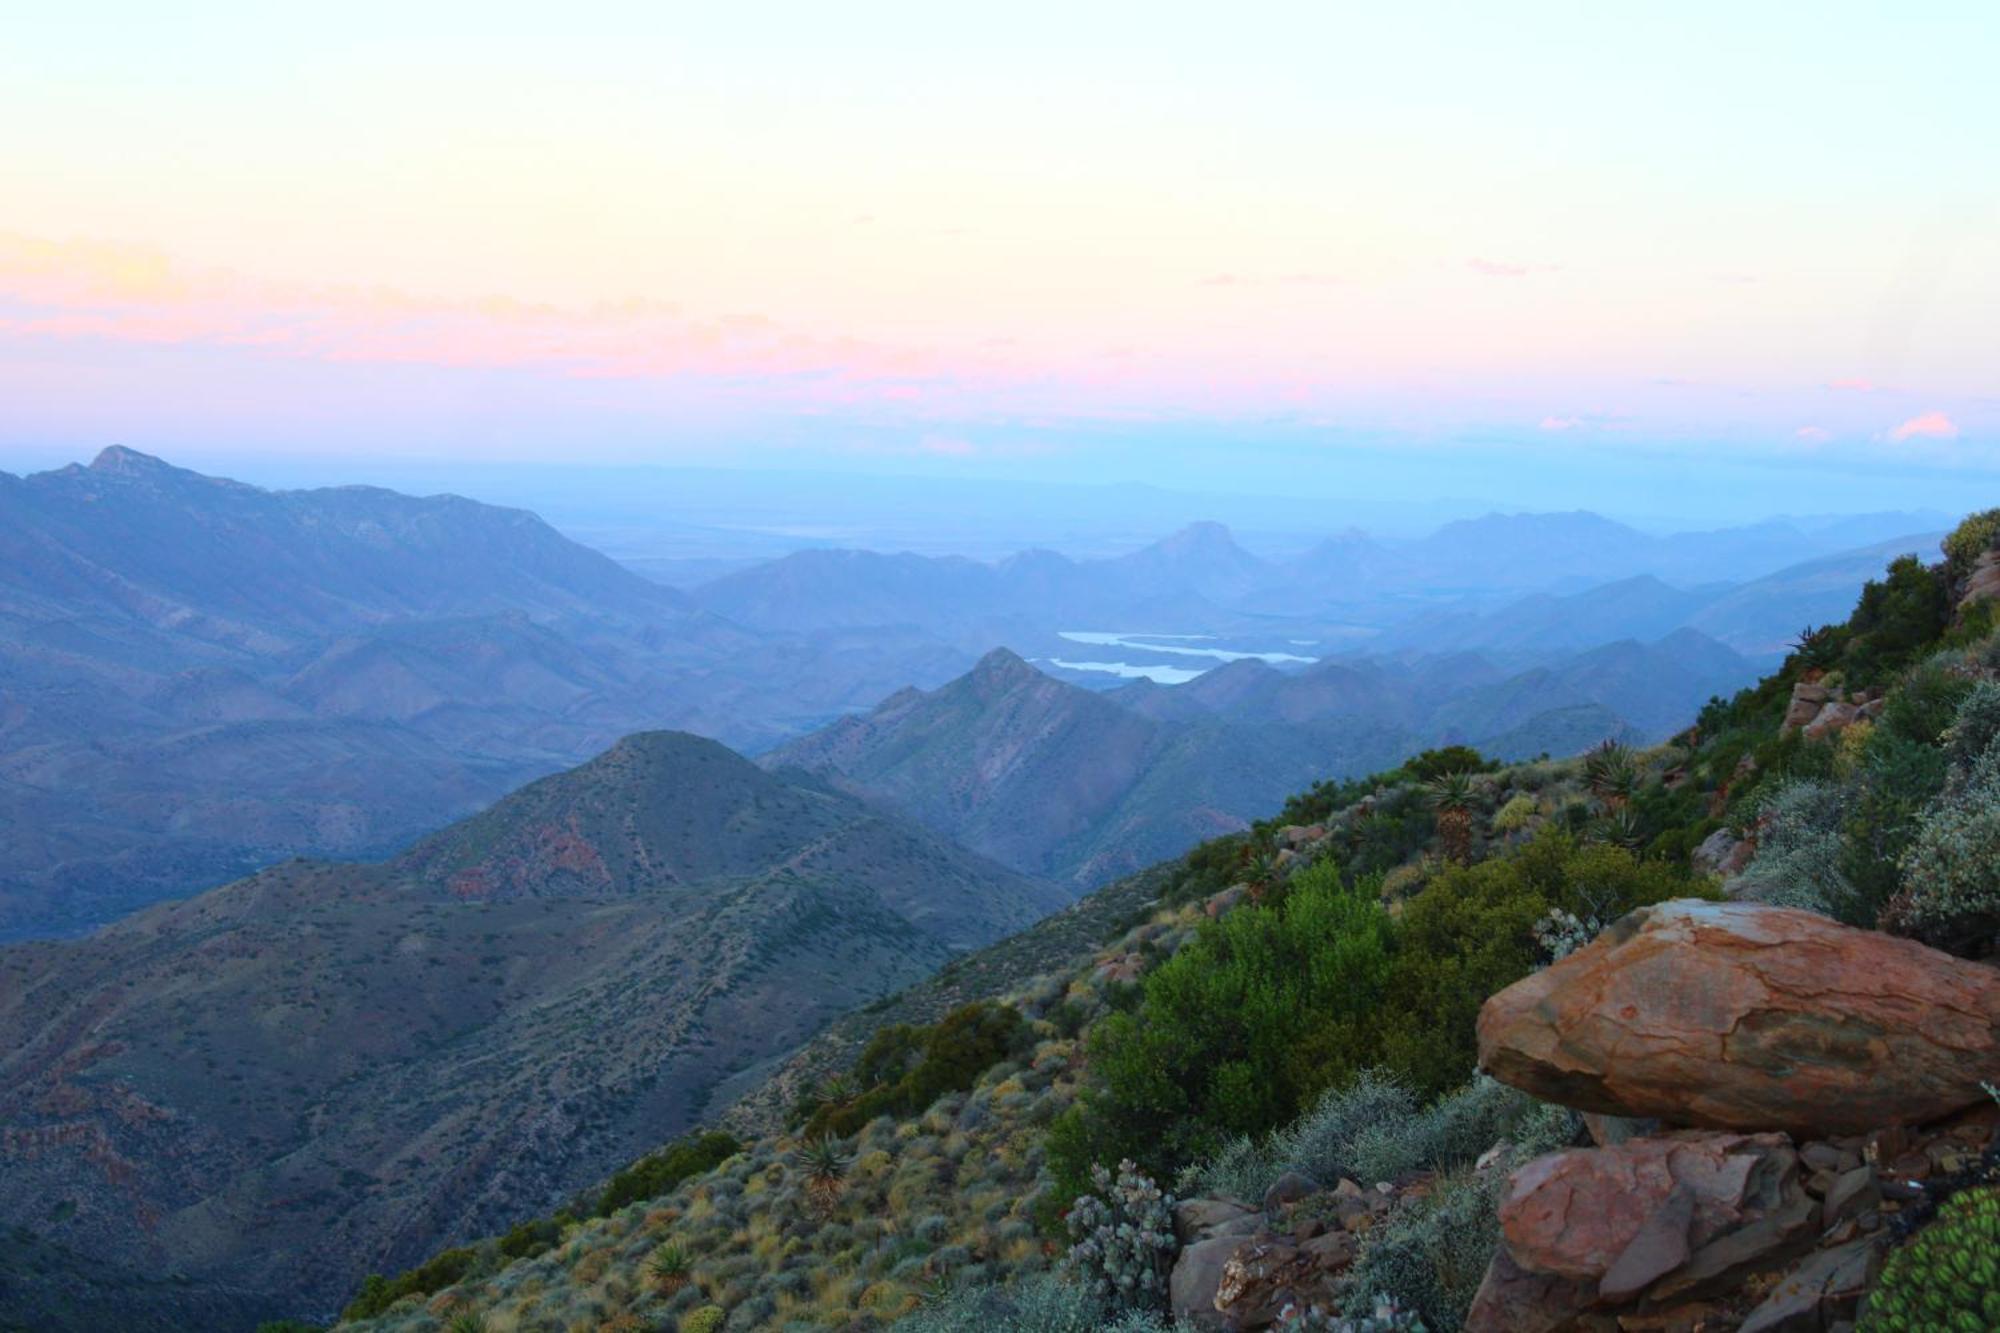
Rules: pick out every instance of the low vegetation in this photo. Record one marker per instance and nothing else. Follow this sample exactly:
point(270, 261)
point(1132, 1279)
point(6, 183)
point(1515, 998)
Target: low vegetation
point(1007, 1164)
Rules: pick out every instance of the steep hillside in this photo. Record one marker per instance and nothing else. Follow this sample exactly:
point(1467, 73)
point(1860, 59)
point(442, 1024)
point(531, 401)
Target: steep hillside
point(1287, 1013)
point(326, 1067)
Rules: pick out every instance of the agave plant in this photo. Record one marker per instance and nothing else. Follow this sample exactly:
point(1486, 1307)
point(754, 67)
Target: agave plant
point(824, 1166)
point(669, 1268)
point(1452, 796)
point(466, 1323)
point(1621, 828)
point(1612, 774)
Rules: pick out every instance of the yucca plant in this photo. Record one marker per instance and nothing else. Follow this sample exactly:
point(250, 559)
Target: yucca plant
point(466, 1323)
point(1612, 774)
point(1451, 796)
point(824, 1166)
point(1621, 828)
point(669, 1267)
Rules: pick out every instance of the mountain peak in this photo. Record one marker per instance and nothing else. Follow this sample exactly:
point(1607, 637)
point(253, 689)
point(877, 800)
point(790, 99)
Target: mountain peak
point(1002, 666)
point(1201, 535)
point(119, 461)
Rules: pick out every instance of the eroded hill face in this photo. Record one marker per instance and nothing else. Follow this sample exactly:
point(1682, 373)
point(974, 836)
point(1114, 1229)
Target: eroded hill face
point(326, 1069)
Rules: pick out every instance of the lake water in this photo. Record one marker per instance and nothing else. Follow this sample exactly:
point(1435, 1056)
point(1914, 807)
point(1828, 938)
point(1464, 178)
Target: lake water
point(1168, 645)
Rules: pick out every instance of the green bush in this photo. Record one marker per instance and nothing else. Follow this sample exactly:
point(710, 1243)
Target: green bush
point(531, 1237)
point(1470, 932)
point(1252, 1018)
point(1925, 705)
point(1897, 616)
point(1971, 539)
point(705, 1320)
point(378, 1293)
point(904, 1068)
point(1947, 1277)
point(658, 1172)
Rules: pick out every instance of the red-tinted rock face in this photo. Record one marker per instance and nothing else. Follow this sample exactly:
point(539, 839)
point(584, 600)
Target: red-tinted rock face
point(1742, 1016)
point(1625, 1217)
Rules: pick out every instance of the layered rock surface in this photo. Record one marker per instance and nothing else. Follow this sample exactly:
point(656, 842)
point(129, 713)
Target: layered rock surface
point(1748, 1017)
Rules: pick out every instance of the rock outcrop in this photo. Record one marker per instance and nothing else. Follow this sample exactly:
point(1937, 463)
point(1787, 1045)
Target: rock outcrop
point(1676, 1216)
point(1747, 1017)
point(1820, 711)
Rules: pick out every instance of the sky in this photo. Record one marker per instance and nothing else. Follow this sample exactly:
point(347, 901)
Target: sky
point(1573, 251)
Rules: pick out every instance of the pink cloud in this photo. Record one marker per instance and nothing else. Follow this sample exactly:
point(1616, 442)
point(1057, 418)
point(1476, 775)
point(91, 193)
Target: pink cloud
point(1851, 386)
point(1813, 434)
point(1493, 268)
point(1926, 426)
point(1561, 423)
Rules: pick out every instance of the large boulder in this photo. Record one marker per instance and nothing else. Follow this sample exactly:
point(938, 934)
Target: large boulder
point(1744, 1016)
point(1197, 1273)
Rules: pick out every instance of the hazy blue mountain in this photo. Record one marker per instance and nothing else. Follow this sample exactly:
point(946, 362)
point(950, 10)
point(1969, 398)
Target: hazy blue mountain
point(1065, 783)
point(198, 677)
point(1058, 781)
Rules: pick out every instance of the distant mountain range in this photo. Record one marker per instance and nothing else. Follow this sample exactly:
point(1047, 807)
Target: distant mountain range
point(199, 677)
point(325, 1069)
point(1058, 781)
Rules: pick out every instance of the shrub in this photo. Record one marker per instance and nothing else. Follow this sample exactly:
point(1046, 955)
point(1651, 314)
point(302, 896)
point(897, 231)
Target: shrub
point(1973, 727)
point(1431, 1253)
point(658, 1172)
point(1123, 1234)
point(1470, 932)
point(1519, 811)
point(1971, 539)
point(378, 1293)
point(1453, 1131)
point(705, 1320)
point(531, 1237)
point(1926, 704)
point(903, 1069)
point(1947, 1276)
point(1259, 1012)
point(1799, 849)
point(1320, 1144)
point(1040, 1304)
point(1951, 872)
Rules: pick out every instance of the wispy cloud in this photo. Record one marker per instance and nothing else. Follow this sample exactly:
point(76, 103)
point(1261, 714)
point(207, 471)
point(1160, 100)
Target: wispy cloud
point(1561, 423)
point(1926, 426)
point(1851, 386)
point(1813, 434)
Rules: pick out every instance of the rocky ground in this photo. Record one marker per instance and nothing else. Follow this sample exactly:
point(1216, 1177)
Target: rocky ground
point(1772, 1100)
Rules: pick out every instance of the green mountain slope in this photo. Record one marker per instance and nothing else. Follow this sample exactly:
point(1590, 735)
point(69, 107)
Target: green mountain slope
point(326, 1068)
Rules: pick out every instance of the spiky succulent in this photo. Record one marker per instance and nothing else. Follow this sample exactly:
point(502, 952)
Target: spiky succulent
point(824, 1166)
point(1947, 1278)
point(1612, 774)
point(1452, 796)
point(669, 1267)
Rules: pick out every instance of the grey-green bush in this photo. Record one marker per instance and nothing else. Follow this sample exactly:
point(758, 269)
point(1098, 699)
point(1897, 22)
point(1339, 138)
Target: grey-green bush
point(1431, 1253)
point(1799, 848)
